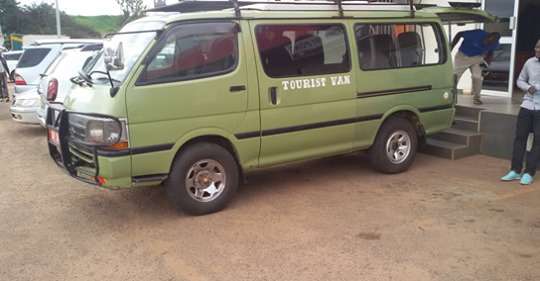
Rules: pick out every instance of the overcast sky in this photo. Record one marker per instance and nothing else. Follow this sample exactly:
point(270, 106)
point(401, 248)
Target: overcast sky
point(89, 7)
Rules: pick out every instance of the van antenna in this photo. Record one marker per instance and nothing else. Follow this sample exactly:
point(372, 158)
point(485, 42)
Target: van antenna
point(236, 7)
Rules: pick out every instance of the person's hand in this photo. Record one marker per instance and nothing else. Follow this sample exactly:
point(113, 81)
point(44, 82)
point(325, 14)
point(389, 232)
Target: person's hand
point(532, 90)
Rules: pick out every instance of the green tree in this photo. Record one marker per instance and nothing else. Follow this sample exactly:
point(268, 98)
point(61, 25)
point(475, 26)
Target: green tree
point(131, 8)
point(9, 16)
point(41, 19)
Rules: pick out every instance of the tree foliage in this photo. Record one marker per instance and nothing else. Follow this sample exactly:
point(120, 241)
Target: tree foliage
point(39, 19)
point(9, 15)
point(131, 8)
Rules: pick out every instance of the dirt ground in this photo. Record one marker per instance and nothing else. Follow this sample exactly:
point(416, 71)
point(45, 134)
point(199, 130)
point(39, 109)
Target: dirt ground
point(332, 219)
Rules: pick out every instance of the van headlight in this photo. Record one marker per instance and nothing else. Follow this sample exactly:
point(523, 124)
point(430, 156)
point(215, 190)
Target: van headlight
point(96, 130)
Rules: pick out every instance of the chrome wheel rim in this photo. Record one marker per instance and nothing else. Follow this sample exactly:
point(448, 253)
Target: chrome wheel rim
point(206, 180)
point(398, 147)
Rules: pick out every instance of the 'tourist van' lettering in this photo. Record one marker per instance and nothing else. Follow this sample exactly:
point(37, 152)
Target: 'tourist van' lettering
point(316, 82)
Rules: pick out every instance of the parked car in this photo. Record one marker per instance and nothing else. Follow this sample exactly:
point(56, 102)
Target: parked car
point(30, 107)
point(12, 58)
point(37, 58)
point(56, 83)
point(197, 100)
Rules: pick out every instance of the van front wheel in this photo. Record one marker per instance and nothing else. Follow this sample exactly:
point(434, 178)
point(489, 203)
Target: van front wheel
point(395, 147)
point(203, 179)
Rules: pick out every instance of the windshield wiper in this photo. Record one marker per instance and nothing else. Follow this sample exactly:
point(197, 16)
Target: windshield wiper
point(114, 89)
point(86, 77)
point(111, 80)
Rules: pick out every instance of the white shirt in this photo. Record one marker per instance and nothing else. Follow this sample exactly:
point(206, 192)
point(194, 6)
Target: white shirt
point(530, 76)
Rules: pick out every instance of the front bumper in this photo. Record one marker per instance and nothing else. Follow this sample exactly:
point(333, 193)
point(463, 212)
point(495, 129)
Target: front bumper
point(84, 163)
point(41, 115)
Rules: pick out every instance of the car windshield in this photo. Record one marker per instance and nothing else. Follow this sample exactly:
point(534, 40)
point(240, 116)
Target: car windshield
point(134, 45)
point(69, 63)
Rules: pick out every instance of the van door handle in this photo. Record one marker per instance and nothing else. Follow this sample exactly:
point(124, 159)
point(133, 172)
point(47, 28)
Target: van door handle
point(238, 88)
point(273, 95)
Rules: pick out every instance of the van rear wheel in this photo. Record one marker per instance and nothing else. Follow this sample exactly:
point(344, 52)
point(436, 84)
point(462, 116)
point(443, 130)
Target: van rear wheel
point(203, 179)
point(395, 147)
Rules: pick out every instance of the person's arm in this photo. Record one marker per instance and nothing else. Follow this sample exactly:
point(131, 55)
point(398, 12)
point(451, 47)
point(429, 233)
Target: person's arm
point(523, 80)
point(488, 57)
point(458, 37)
point(4, 64)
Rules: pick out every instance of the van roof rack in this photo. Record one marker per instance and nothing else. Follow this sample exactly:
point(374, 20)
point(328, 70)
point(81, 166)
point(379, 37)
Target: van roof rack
point(190, 6)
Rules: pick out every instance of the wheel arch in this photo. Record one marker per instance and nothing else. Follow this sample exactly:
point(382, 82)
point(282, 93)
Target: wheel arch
point(222, 139)
point(409, 113)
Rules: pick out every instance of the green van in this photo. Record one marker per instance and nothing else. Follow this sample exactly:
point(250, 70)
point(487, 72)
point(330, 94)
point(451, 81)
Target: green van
point(197, 100)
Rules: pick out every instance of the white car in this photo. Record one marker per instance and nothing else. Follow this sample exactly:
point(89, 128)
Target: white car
point(12, 58)
point(31, 106)
point(56, 84)
point(38, 57)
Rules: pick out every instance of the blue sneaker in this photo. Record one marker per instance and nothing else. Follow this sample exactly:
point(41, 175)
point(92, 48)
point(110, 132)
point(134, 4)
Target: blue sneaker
point(511, 176)
point(526, 179)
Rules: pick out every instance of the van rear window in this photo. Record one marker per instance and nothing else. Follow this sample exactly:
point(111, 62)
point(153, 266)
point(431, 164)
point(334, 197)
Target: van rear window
point(385, 46)
point(33, 57)
point(303, 49)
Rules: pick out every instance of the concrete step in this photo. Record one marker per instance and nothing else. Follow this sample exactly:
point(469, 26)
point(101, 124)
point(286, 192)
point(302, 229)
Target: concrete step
point(448, 150)
point(468, 112)
point(466, 124)
point(459, 136)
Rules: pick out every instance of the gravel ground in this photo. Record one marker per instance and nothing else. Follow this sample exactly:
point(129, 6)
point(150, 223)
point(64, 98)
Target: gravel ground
point(332, 219)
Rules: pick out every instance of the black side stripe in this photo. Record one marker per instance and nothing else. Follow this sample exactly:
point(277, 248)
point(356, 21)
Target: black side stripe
point(393, 92)
point(277, 131)
point(247, 135)
point(435, 108)
point(152, 148)
point(136, 150)
point(149, 178)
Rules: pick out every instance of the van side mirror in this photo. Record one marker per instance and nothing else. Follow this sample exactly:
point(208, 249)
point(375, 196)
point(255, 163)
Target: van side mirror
point(114, 58)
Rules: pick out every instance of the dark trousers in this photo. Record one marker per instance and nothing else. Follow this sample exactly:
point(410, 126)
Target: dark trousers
point(3, 86)
point(527, 121)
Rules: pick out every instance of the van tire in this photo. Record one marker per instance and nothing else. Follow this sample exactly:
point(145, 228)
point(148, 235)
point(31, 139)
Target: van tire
point(392, 131)
point(207, 162)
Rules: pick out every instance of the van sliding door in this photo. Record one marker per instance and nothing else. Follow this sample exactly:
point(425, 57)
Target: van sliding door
point(306, 87)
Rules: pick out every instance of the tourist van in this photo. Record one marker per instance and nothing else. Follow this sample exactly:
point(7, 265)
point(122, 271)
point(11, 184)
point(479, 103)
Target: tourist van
point(196, 100)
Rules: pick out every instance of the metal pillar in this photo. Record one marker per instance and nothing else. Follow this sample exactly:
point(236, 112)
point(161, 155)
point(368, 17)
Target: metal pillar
point(58, 27)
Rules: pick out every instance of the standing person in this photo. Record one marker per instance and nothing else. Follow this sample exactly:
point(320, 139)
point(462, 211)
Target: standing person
point(477, 47)
point(4, 72)
point(528, 120)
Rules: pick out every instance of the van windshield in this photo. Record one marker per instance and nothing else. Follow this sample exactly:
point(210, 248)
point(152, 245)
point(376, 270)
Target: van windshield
point(134, 45)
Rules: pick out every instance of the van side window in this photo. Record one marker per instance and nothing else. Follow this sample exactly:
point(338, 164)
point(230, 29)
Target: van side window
point(384, 46)
point(300, 50)
point(193, 51)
